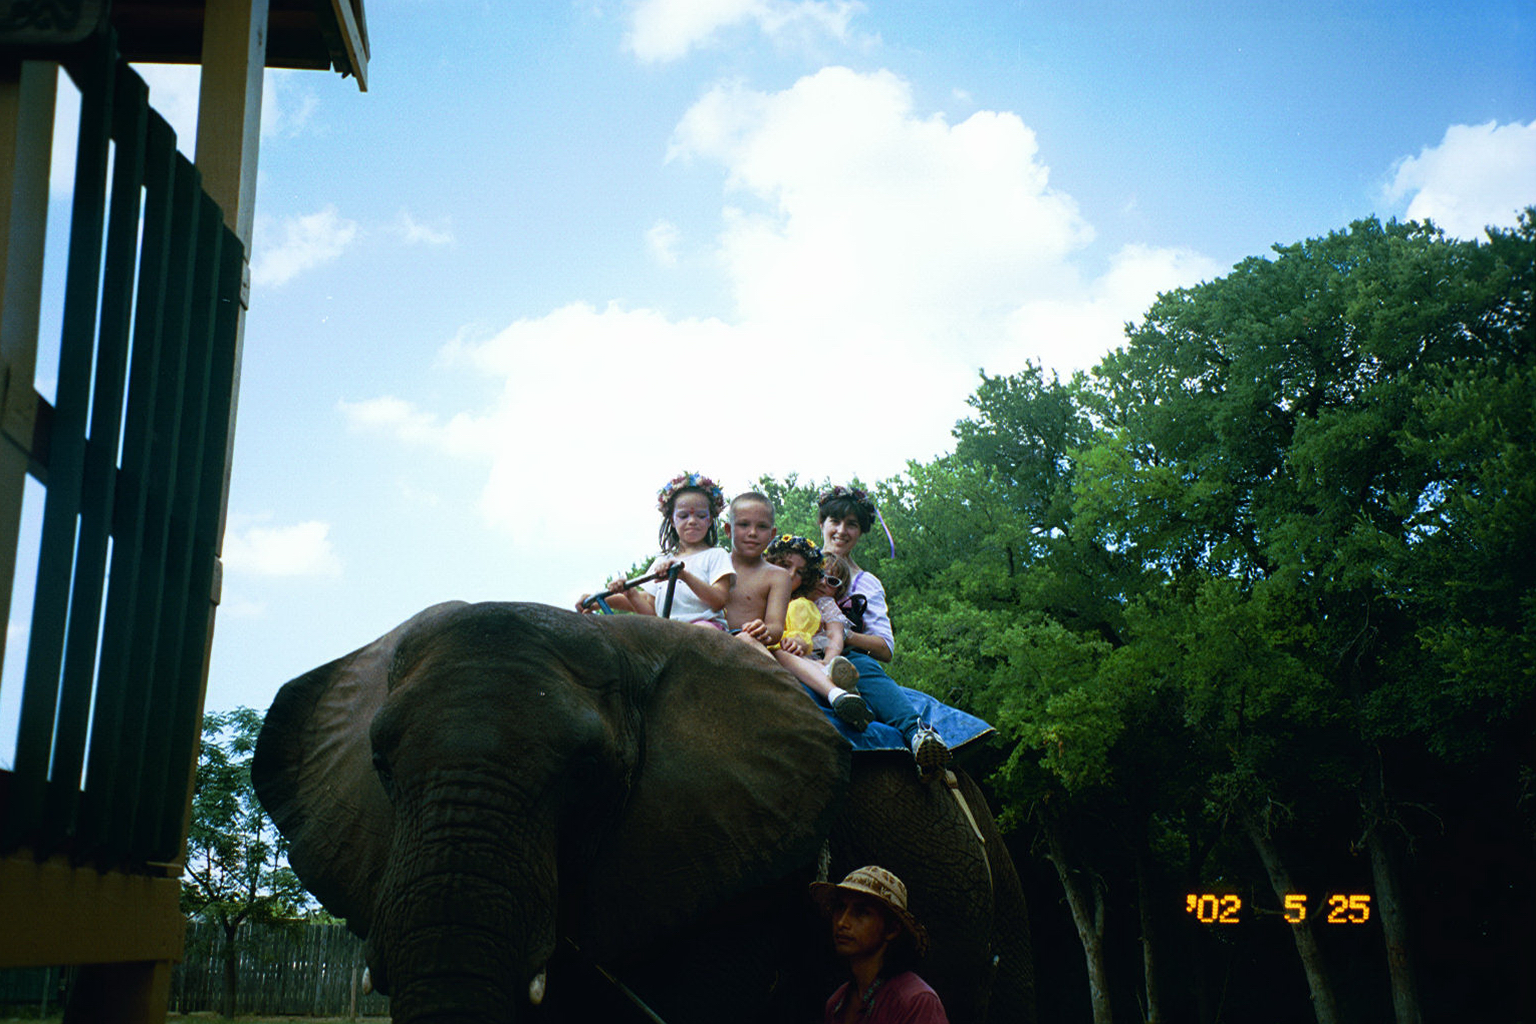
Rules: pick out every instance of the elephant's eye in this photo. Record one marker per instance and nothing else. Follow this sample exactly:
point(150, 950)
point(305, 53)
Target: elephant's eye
point(386, 777)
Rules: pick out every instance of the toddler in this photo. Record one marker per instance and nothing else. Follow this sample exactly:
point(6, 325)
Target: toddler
point(834, 681)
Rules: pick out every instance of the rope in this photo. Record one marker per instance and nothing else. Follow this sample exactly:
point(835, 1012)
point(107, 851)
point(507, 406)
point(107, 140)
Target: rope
point(951, 781)
point(627, 992)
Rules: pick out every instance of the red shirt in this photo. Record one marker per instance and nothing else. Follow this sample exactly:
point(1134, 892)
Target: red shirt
point(903, 999)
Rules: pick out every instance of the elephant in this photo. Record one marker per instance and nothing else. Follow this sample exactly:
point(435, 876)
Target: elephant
point(506, 798)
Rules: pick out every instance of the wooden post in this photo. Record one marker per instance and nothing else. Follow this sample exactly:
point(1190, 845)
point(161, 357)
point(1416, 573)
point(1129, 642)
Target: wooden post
point(123, 993)
point(229, 107)
point(228, 137)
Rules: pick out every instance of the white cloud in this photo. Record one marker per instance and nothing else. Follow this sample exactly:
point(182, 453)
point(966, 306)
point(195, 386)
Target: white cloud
point(415, 232)
point(596, 402)
point(633, 392)
point(417, 496)
point(1075, 330)
point(662, 240)
point(884, 252)
point(869, 217)
point(288, 103)
point(462, 435)
point(305, 243)
point(303, 549)
point(241, 608)
point(1479, 175)
point(665, 30)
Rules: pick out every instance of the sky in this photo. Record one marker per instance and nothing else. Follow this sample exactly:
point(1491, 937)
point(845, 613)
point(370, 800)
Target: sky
point(560, 252)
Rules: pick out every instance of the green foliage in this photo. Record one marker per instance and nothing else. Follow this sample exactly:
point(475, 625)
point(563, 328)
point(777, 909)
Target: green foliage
point(1276, 546)
point(237, 863)
point(1349, 424)
point(794, 504)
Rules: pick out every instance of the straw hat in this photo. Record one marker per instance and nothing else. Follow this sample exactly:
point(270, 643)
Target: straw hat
point(879, 884)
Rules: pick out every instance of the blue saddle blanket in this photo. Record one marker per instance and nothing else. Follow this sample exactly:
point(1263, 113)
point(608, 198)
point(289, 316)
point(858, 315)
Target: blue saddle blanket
point(955, 727)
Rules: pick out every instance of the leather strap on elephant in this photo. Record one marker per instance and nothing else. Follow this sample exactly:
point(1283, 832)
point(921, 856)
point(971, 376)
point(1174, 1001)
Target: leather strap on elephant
point(630, 995)
point(953, 783)
point(624, 989)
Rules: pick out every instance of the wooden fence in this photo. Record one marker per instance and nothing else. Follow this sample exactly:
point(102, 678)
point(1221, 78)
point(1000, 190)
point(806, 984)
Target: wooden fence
point(307, 970)
point(34, 991)
point(303, 971)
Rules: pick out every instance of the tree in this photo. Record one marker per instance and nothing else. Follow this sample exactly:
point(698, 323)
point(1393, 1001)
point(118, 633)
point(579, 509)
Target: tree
point(1008, 609)
point(237, 862)
point(1274, 552)
point(1340, 439)
point(1253, 603)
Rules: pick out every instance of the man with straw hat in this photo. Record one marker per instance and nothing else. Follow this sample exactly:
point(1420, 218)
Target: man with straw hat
point(876, 934)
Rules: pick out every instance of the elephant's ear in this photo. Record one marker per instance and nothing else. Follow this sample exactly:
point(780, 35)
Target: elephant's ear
point(313, 771)
point(739, 777)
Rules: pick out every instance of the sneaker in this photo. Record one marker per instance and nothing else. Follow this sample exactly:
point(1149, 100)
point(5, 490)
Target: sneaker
point(843, 673)
point(850, 707)
point(928, 749)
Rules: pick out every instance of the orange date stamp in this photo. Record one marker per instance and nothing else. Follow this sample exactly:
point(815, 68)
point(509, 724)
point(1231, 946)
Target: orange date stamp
point(1228, 908)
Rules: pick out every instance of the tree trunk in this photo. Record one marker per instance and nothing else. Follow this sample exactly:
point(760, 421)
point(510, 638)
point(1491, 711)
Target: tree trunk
point(1324, 1006)
point(1389, 904)
point(1206, 1010)
point(1087, 907)
point(1154, 1008)
point(231, 972)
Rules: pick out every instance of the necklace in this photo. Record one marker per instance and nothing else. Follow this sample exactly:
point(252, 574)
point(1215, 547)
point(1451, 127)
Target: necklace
point(869, 996)
point(866, 998)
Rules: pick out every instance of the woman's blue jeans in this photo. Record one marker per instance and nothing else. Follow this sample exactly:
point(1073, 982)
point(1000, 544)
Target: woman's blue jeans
point(883, 696)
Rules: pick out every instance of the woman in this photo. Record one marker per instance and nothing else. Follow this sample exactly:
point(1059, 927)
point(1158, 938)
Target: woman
point(846, 514)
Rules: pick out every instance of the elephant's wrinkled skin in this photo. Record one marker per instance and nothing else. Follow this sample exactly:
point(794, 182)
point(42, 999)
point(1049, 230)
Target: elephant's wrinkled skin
point(487, 781)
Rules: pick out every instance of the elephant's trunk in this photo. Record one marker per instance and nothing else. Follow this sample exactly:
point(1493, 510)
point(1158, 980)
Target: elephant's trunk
point(466, 917)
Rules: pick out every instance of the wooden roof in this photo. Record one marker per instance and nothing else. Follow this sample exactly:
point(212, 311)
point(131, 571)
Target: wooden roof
point(313, 34)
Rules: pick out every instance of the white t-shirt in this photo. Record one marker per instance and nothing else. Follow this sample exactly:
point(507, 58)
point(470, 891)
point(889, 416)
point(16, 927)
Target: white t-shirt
point(710, 565)
point(877, 616)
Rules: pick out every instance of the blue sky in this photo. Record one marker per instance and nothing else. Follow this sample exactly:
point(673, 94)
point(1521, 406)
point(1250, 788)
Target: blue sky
point(559, 252)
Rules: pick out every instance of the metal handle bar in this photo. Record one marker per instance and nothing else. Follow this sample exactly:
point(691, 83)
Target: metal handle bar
point(671, 573)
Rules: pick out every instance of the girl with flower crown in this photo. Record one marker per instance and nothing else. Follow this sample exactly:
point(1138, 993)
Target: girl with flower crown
point(835, 681)
point(846, 514)
point(689, 504)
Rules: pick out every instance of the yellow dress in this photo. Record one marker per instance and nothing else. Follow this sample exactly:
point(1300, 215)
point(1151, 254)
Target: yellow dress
point(802, 621)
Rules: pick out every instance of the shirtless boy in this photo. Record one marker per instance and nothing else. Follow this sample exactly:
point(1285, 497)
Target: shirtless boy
point(760, 594)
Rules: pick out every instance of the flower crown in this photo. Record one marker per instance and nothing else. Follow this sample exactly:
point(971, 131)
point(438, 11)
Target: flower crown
point(692, 481)
point(791, 544)
point(854, 494)
point(864, 503)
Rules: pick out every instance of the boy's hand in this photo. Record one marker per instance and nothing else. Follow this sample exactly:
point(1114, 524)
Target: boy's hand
point(757, 630)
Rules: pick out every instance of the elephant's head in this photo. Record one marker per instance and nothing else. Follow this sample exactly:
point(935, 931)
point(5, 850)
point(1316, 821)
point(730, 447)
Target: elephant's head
point(487, 777)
